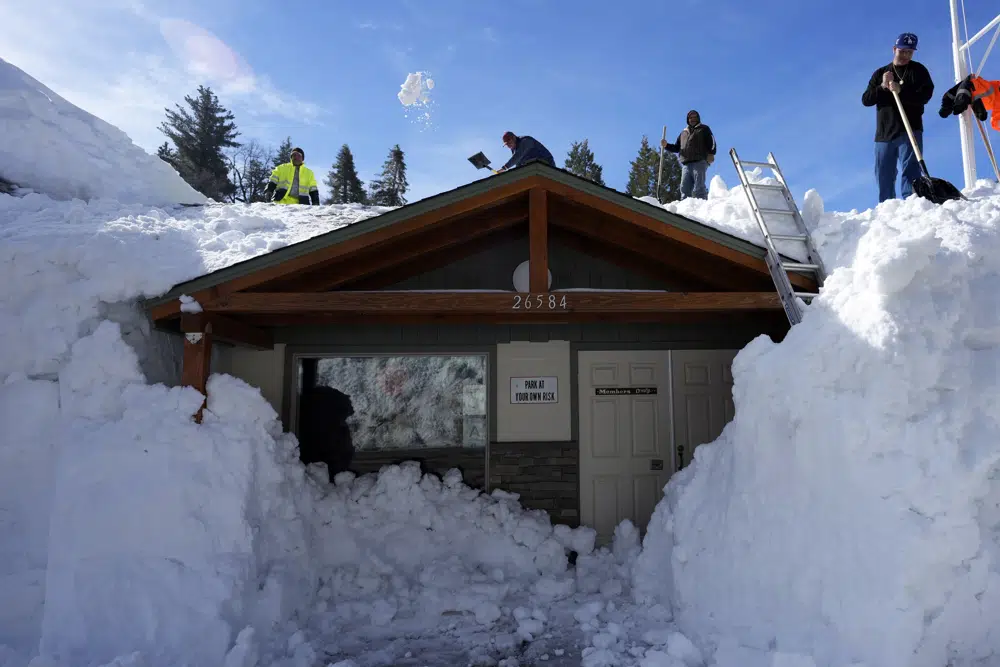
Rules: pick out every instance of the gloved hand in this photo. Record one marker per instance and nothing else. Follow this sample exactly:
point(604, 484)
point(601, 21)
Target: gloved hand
point(710, 159)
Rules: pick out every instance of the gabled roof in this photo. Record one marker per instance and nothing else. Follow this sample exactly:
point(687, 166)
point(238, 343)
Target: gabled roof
point(485, 199)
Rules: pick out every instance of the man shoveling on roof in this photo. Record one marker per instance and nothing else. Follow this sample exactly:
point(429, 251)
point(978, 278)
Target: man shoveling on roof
point(293, 182)
point(524, 149)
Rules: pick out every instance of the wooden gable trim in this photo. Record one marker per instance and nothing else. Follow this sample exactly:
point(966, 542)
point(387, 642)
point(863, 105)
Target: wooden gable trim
point(404, 229)
point(445, 241)
point(672, 232)
point(510, 304)
point(703, 267)
point(538, 240)
point(395, 247)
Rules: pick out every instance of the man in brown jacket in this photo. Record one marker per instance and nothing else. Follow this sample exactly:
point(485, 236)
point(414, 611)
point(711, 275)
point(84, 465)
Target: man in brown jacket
point(696, 146)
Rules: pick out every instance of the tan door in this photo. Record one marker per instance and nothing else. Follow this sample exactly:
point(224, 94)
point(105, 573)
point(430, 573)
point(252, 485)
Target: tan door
point(702, 398)
point(625, 453)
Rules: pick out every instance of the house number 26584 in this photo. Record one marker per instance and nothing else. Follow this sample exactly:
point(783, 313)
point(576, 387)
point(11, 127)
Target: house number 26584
point(539, 302)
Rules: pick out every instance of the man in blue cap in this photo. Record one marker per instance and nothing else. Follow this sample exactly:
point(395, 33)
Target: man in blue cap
point(913, 83)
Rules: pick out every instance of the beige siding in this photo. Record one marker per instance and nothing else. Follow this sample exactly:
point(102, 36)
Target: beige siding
point(538, 422)
point(264, 369)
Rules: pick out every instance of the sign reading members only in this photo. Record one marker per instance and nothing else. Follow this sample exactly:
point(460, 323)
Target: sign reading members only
point(534, 390)
point(624, 391)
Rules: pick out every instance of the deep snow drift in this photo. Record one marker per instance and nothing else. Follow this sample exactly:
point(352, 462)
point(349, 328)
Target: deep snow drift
point(851, 511)
point(52, 146)
point(848, 515)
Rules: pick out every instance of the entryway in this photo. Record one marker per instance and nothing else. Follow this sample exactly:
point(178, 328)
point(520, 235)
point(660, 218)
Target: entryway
point(642, 413)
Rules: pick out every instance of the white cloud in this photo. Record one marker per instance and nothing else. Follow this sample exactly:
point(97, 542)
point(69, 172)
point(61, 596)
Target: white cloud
point(125, 64)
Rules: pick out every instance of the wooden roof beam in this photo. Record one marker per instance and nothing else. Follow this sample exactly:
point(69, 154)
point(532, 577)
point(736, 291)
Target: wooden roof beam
point(538, 240)
point(400, 230)
point(379, 258)
point(227, 329)
point(488, 303)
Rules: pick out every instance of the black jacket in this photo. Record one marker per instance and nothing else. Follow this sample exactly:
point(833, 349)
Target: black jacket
point(694, 144)
point(916, 92)
point(526, 149)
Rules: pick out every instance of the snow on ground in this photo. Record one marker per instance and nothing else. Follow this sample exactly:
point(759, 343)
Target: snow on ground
point(854, 525)
point(52, 146)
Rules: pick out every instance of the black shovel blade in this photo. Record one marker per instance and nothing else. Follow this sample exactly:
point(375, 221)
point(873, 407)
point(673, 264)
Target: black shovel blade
point(937, 190)
point(480, 161)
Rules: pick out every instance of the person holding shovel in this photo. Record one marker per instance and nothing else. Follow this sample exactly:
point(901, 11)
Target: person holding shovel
point(696, 146)
point(524, 149)
point(912, 82)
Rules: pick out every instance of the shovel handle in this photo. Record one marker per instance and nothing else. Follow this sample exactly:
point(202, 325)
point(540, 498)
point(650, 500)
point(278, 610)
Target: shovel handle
point(909, 132)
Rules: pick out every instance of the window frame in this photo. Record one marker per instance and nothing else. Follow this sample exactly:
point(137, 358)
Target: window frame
point(291, 380)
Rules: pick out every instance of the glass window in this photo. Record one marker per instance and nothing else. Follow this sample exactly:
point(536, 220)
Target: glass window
point(407, 401)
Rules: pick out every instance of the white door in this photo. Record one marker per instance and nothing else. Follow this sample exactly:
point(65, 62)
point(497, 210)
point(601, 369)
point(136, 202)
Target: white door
point(702, 391)
point(625, 453)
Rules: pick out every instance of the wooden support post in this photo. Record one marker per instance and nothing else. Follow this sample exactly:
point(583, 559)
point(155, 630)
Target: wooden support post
point(538, 237)
point(197, 363)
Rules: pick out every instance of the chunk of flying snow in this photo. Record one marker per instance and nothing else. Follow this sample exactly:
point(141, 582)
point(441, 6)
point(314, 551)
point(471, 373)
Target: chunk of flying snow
point(416, 89)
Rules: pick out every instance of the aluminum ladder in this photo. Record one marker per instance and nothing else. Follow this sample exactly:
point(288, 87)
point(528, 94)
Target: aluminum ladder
point(778, 267)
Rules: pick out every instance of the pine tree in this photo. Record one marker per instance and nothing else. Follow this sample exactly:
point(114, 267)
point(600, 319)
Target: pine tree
point(199, 137)
point(166, 153)
point(389, 188)
point(580, 161)
point(284, 153)
point(345, 186)
point(644, 170)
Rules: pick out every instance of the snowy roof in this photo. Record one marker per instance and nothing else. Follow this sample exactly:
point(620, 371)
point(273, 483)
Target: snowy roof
point(495, 187)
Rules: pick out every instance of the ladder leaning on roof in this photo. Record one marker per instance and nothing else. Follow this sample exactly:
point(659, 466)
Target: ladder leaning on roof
point(779, 269)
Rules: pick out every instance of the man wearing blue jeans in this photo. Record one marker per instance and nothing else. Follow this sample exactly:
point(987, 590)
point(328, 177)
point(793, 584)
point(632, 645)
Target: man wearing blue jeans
point(696, 146)
point(913, 83)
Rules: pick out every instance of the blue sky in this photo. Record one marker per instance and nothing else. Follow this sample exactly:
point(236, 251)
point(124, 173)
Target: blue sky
point(785, 77)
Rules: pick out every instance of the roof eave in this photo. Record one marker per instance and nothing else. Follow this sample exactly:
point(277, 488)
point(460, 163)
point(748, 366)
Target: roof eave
point(353, 230)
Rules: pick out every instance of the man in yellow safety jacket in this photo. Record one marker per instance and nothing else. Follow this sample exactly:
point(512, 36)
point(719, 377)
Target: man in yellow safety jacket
point(293, 182)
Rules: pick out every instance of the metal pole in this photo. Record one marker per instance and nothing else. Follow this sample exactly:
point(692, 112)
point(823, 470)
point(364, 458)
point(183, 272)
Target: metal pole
point(979, 35)
point(964, 120)
point(659, 177)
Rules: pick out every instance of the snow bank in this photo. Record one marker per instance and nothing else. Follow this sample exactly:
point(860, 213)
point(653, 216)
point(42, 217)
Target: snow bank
point(157, 522)
point(727, 210)
point(850, 512)
point(51, 146)
point(77, 357)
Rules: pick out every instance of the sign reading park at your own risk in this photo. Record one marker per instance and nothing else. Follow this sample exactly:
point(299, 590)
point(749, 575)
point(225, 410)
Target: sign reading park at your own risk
point(534, 390)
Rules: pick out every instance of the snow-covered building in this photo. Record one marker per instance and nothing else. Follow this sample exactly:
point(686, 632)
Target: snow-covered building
point(546, 335)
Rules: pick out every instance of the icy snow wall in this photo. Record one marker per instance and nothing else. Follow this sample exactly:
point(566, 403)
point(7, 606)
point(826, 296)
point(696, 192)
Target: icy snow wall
point(161, 528)
point(850, 511)
point(51, 146)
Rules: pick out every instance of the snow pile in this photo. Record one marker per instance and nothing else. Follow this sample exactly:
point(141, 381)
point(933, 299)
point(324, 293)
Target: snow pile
point(727, 210)
point(851, 511)
point(164, 534)
point(72, 393)
point(403, 554)
point(51, 146)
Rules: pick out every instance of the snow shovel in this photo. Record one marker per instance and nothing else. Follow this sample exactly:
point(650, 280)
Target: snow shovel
point(480, 161)
point(936, 190)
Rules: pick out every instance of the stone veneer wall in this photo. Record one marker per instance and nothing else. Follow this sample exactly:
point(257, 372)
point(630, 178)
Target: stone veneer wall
point(545, 475)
